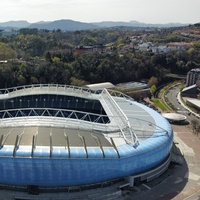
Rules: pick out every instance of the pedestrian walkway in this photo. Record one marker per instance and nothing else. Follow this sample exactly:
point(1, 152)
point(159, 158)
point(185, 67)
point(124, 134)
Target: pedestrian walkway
point(107, 193)
point(186, 107)
point(183, 180)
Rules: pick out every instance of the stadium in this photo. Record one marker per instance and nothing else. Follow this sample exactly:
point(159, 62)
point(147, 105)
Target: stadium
point(65, 136)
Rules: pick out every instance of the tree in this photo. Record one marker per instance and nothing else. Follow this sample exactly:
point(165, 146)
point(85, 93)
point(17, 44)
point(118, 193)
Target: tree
point(78, 82)
point(181, 88)
point(197, 45)
point(153, 81)
point(21, 80)
point(56, 59)
point(6, 52)
point(195, 125)
point(153, 89)
point(48, 57)
point(87, 40)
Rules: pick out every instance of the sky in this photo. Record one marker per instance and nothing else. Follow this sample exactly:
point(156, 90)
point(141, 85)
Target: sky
point(148, 11)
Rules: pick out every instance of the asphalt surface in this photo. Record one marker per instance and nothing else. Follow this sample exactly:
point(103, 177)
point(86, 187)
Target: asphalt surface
point(183, 181)
point(173, 97)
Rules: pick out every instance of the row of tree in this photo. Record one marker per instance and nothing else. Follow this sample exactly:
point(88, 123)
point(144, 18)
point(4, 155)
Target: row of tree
point(93, 68)
point(48, 57)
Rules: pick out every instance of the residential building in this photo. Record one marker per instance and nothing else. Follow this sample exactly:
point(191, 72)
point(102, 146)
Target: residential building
point(193, 76)
point(8, 32)
point(89, 49)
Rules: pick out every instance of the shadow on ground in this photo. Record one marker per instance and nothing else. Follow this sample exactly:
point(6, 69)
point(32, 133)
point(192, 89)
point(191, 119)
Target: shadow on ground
point(167, 186)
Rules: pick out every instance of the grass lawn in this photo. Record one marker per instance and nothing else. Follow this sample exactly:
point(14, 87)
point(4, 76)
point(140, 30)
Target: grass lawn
point(160, 104)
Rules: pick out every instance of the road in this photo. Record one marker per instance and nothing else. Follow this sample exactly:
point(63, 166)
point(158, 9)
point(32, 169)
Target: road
point(172, 97)
point(184, 180)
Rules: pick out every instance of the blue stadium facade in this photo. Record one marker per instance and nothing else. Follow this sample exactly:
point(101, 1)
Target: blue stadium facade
point(57, 135)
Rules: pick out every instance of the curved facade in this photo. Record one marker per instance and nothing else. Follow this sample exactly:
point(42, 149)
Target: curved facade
point(57, 135)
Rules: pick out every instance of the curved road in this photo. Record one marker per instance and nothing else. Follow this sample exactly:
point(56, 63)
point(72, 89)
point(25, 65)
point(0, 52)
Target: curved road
point(172, 97)
point(184, 180)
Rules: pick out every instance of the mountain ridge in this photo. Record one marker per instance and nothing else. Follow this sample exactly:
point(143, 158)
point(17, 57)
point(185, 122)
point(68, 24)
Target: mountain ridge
point(71, 25)
point(64, 24)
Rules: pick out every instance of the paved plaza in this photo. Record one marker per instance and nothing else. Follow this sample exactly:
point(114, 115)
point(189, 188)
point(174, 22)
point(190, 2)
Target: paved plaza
point(183, 183)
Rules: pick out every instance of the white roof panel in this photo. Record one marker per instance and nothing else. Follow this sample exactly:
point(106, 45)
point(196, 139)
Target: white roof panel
point(100, 86)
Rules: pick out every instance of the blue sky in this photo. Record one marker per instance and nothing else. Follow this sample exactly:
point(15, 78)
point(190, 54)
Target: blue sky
point(148, 11)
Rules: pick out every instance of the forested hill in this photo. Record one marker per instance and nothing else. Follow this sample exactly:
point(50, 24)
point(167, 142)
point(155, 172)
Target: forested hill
point(67, 25)
point(42, 56)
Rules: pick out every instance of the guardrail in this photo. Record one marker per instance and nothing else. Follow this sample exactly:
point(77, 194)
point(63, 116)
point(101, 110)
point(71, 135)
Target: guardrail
point(51, 112)
point(119, 94)
point(122, 120)
point(114, 124)
point(27, 89)
point(14, 89)
point(77, 120)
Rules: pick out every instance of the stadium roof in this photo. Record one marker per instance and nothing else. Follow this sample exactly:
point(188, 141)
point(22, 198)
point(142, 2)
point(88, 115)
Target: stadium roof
point(45, 133)
point(130, 85)
point(100, 86)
